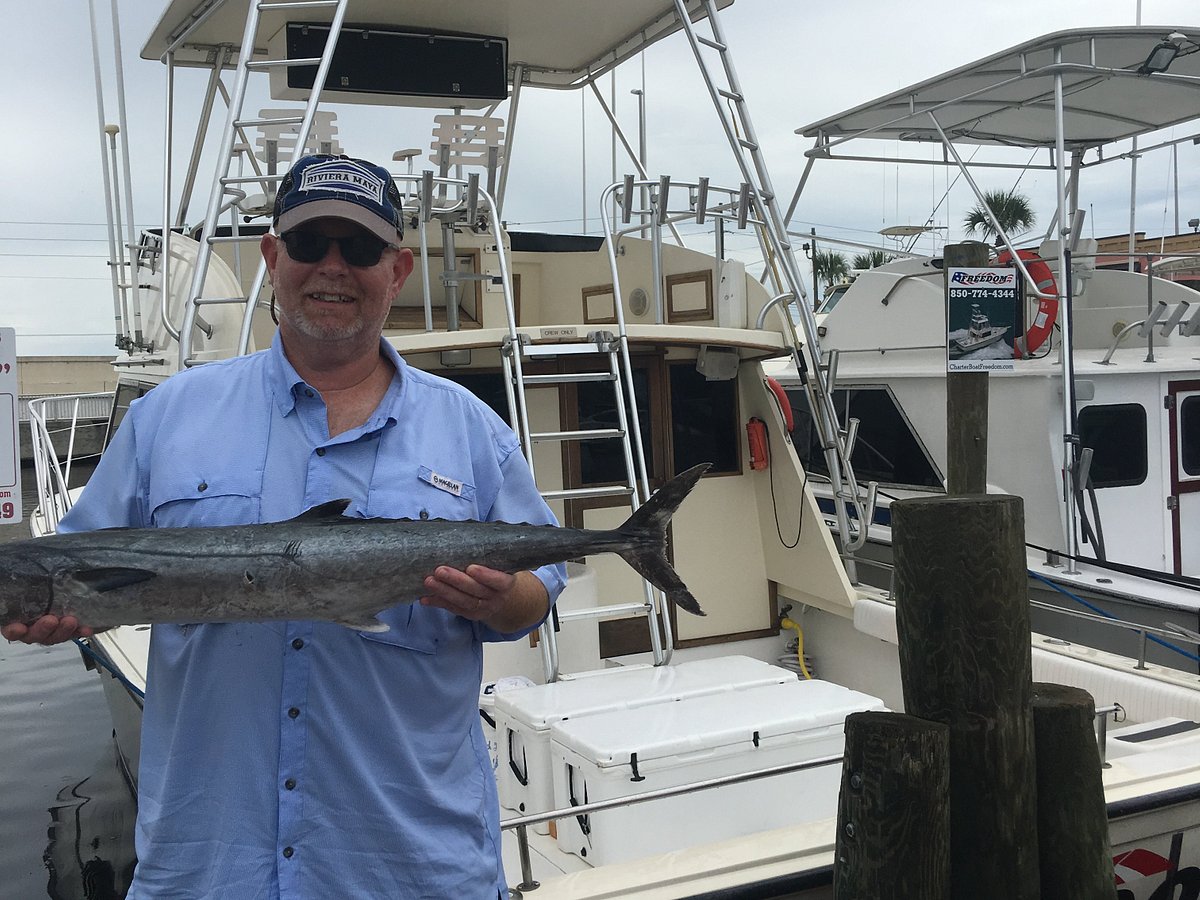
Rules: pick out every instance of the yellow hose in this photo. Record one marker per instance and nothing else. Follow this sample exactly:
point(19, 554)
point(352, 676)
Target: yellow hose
point(793, 626)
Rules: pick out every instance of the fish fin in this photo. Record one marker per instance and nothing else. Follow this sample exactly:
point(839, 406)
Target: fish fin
point(324, 512)
point(653, 566)
point(109, 579)
point(648, 526)
point(370, 623)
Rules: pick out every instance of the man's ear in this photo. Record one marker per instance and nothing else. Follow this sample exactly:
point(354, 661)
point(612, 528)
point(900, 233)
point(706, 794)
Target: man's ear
point(269, 246)
point(402, 267)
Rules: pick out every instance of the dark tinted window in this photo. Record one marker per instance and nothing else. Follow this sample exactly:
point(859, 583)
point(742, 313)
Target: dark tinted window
point(886, 450)
point(127, 392)
point(704, 426)
point(602, 461)
point(487, 386)
point(1189, 435)
point(1116, 435)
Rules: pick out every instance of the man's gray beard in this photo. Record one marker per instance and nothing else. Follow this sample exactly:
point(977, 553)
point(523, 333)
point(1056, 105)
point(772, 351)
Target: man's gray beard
point(303, 324)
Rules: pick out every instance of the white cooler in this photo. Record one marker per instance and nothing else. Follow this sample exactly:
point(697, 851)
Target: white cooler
point(702, 737)
point(525, 717)
point(487, 710)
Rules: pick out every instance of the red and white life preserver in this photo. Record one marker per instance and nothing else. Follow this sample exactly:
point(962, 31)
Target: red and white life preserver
point(1043, 321)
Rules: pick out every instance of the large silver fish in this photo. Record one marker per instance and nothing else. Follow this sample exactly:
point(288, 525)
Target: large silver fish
point(319, 565)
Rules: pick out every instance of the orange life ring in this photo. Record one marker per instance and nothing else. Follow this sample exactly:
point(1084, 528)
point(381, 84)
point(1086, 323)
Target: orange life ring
point(1047, 311)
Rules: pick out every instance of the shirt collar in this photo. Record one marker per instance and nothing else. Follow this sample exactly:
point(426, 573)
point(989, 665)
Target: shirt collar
point(283, 379)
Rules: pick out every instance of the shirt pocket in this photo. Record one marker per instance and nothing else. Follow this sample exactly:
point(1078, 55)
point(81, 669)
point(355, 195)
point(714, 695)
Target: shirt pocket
point(183, 501)
point(431, 496)
point(410, 627)
point(453, 493)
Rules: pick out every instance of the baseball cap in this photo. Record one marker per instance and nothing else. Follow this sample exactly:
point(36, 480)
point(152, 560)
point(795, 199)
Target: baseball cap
point(339, 187)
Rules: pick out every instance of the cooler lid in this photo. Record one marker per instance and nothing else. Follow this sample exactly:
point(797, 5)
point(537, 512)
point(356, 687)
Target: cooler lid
point(710, 721)
point(624, 688)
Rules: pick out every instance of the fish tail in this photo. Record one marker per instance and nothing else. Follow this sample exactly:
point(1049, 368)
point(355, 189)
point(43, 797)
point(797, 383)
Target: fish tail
point(647, 531)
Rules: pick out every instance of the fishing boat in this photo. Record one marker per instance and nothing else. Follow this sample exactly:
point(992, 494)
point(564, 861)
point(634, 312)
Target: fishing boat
point(979, 334)
point(620, 360)
point(1104, 377)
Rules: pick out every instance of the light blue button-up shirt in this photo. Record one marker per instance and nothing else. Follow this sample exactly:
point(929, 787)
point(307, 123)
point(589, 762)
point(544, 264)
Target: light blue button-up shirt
point(297, 759)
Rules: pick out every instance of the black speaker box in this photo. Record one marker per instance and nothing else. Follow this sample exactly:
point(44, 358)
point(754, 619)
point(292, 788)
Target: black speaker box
point(372, 60)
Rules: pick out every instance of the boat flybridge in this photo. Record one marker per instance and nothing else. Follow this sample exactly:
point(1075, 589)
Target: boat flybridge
point(620, 360)
point(1103, 353)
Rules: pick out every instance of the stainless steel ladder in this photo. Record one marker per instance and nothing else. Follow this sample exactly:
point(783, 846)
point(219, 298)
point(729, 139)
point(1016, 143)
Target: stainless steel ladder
point(225, 183)
point(818, 380)
point(611, 353)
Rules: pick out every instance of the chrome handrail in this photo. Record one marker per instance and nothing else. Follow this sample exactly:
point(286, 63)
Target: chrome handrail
point(52, 475)
point(522, 823)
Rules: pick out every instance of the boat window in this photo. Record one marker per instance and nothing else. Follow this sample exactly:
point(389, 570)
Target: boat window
point(1189, 435)
point(887, 449)
point(599, 461)
point(487, 386)
point(603, 461)
point(1116, 433)
point(127, 391)
point(704, 422)
point(832, 296)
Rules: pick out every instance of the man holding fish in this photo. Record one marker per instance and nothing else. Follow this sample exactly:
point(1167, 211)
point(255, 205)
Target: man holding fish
point(301, 759)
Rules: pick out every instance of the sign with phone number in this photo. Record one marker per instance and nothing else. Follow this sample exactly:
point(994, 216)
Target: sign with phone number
point(10, 438)
point(981, 311)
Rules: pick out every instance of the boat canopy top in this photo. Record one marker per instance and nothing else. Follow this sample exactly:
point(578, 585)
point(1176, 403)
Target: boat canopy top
point(1007, 99)
point(559, 44)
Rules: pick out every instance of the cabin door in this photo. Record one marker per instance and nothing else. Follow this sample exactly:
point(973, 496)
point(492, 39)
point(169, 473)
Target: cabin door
point(1183, 410)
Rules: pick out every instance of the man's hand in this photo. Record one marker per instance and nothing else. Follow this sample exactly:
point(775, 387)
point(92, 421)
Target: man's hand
point(500, 600)
point(46, 630)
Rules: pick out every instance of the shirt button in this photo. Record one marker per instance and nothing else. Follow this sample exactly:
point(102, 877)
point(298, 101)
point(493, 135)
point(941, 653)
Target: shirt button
point(288, 852)
point(308, 393)
point(293, 712)
point(297, 643)
point(202, 486)
point(320, 451)
point(424, 514)
point(290, 784)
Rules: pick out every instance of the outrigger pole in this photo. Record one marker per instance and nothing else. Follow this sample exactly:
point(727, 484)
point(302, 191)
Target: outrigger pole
point(818, 381)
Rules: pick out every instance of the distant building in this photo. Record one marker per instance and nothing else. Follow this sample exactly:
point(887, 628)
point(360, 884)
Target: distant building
point(57, 376)
point(1176, 257)
point(53, 376)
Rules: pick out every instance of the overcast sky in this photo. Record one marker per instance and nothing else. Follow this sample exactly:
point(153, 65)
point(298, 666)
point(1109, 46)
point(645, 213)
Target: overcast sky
point(798, 62)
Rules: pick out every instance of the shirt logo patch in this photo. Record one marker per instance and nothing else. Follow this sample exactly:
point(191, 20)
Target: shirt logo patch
point(446, 484)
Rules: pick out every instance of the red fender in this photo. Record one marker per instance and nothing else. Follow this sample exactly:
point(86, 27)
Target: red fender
point(1047, 311)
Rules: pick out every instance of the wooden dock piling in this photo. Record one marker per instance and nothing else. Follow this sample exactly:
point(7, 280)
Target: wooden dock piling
point(893, 831)
point(1076, 858)
point(966, 398)
point(962, 614)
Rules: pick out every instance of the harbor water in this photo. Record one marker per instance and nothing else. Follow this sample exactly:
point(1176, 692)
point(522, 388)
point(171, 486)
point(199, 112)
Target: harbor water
point(67, 826)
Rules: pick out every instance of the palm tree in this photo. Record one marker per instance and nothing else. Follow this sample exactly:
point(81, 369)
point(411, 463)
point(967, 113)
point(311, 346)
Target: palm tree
point(1011, 210)
point(871, 260)
point(828, 266)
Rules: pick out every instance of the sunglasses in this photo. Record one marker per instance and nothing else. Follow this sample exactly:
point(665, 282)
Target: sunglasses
point(359, 250)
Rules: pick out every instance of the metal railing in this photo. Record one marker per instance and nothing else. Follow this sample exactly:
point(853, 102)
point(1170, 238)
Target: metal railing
point(522, 823)
point(1117, 711)
point(1167, 631)
point(1141, 631)
point(55, 425)
point(1159, 314)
